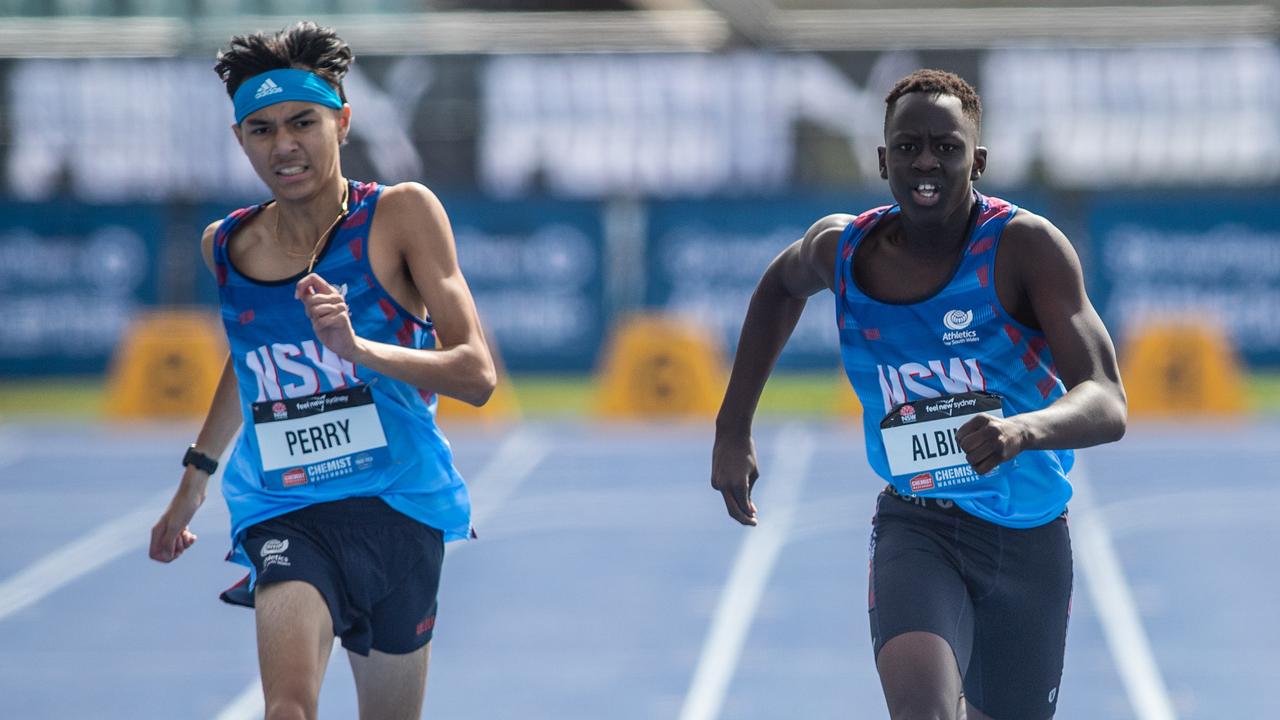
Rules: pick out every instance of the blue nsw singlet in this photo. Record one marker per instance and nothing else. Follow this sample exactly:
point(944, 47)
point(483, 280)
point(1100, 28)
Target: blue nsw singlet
point(961, 340)
point(316, 427)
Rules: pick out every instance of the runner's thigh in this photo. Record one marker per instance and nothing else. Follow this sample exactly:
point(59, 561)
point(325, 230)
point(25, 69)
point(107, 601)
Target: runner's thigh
point(915, 580)
point(1021, 626)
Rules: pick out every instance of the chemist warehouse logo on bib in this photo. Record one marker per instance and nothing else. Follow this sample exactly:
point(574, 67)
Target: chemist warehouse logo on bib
point(958, 332)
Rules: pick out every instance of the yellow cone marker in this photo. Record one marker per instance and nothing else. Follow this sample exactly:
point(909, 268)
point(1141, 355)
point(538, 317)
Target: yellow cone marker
point(167, 366)
point(1179, 368)
point(658, 366)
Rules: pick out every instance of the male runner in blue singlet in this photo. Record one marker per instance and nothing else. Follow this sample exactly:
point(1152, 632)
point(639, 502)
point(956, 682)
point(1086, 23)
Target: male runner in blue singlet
point(979, 362)
point(341, 487)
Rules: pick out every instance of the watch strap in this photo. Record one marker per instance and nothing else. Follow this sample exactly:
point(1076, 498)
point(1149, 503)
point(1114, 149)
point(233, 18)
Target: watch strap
point(198, 460)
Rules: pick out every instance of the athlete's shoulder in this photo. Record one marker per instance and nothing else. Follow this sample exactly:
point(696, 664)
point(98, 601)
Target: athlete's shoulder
point(409, 197)
point(823, 236)
point(221, 228)
point(1028, 227)
point(817, 249)
point(211, 231)
point(1036, 244)
point(414, 220)
point(834, 226)
point(829, 224)
point(206, 242)
point(413, 208)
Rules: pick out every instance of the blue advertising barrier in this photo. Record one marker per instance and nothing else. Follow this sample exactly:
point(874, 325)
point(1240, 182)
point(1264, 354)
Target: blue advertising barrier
point(535, 269)
point(1207, 257)
point(71, 278)
point(705, 258)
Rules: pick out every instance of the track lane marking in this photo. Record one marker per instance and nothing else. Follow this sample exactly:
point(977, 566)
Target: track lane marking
point(757, 555)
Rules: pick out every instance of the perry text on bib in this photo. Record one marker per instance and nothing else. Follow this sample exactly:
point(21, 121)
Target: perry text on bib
point(319, 437)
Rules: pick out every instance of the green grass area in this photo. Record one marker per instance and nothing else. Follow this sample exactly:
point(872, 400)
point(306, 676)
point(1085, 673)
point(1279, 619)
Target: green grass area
point(537, 396)
point(554, 395)
point(73, 397)
point(787, 394)
point(1263, 392)
point(807, 394)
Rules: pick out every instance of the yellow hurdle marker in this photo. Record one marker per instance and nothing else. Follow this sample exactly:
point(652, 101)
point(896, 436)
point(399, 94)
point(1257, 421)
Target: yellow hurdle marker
point(1180, 368)
point(167, 365)
point(659, 366)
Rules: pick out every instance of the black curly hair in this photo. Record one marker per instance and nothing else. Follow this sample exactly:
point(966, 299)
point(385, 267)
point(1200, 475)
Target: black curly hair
point(937, 82)
point(303, 45)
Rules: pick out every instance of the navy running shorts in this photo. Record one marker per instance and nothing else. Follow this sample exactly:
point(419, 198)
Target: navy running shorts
point(377, 569)
point(1001, 597)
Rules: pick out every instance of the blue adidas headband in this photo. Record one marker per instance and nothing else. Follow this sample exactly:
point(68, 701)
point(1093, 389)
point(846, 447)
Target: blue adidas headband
point(283, 85)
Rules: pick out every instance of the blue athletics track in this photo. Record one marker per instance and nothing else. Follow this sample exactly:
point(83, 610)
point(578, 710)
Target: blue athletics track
point(608, 583)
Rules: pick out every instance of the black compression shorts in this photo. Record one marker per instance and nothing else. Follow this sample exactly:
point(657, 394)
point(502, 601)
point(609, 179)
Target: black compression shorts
point(1001, 597)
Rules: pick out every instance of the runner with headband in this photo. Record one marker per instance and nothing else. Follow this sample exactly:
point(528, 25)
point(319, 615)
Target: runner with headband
point(341, 488)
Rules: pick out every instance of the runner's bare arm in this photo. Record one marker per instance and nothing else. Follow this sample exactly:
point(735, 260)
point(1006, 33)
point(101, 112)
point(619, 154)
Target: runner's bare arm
point(461, 365)
point(804, 268)
point(224, 417)
point(1093, 411)
point(170, 536)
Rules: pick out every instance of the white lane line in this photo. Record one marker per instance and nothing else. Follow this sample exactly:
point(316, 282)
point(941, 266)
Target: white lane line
point(119, 537)
point(757, 555)
point(516, 459)
point(12, 449)
point(110, 541)
point(248, 704)
point(11, 453)
point(1121, 623)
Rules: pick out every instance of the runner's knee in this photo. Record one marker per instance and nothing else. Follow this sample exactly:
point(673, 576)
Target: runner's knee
point(290, 708)
point(922, 705)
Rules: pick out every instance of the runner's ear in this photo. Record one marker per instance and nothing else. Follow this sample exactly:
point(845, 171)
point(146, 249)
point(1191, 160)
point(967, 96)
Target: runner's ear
point(344, 123)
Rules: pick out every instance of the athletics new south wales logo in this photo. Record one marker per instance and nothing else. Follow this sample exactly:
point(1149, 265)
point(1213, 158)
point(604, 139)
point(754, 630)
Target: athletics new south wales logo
point(957, 323)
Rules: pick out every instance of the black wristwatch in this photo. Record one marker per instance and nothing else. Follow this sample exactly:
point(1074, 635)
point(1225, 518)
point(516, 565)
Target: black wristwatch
point(198, 460)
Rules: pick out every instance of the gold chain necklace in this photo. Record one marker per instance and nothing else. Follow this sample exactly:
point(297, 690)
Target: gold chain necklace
point(315, 249)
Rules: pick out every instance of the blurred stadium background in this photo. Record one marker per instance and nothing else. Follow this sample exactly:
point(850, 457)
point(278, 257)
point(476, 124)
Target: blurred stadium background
point(612, 159)
point(605, 158)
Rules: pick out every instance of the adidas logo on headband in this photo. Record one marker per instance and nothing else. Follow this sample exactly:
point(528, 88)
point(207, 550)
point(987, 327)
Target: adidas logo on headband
point(268, 87)
point(283, 85)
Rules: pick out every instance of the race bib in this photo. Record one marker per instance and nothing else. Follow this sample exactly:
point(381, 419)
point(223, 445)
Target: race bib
point(920, 440)
point(319, 437)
